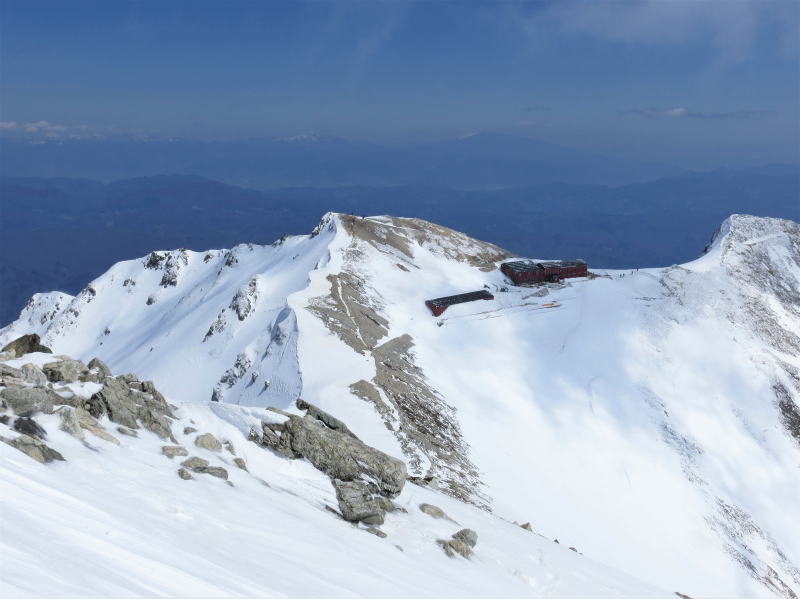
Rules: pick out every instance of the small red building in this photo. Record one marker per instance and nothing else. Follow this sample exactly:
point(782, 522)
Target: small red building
point(529, 272)
point(439, 305)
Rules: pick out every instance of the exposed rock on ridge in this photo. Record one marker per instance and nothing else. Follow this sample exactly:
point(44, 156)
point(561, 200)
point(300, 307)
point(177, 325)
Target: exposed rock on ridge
point(424, 424)
point(364, 478)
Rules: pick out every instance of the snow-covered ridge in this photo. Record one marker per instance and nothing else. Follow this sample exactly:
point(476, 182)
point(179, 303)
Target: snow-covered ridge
point(647, 417)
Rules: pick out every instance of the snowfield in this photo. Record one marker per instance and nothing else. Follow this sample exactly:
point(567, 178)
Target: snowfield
point(117, 522)
point(647, 418)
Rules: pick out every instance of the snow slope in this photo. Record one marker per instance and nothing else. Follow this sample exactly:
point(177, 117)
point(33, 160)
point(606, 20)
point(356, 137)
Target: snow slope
point(115, 521)
point(643, 417)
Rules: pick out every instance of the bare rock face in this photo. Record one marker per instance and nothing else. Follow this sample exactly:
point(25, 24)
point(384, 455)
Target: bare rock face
point(64, 371)
point(28, 426)
point(115, 399)
point(325, 418)
point(27, 401)
point(70, 422)
point(34, 448)
point(100, 366)
point(91, 424)
point(364, 478)
point(340, 455)
point(27, 344)
point(10, 372)
point(130, 402)
point(33, 374)
point(358, 503)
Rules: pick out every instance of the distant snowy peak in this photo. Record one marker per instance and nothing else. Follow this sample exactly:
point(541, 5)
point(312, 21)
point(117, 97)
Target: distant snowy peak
point(307, 137)
point(247, 322)
point(42, 309)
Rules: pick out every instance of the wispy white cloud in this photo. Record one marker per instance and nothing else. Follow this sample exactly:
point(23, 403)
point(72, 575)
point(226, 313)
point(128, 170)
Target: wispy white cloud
point(732, 27)
point(681, 112)
point(43, 130)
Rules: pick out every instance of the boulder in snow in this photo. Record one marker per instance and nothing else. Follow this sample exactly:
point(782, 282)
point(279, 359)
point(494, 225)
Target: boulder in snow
point(27, 344)
point(34, 448)
point(433, 511)
point(208, 441)
point(172, 451)
point(358, 503)
point(460, 543)
point(28, 426)
point(468, 536)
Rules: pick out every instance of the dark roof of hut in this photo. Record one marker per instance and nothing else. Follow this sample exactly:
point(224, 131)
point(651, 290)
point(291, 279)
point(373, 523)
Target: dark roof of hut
point(532, 265)
point(461, 298)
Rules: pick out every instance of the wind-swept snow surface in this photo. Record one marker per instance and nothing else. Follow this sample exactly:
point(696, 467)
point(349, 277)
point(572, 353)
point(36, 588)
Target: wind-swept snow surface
point(648, 418)
point(115, 521)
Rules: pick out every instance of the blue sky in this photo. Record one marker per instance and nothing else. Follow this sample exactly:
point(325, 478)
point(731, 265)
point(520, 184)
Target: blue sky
point(691, 82)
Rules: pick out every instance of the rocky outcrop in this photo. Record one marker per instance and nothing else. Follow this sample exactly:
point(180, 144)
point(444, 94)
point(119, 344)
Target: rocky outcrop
point(70, 423)
point(98, 365)
point(131, 403)
point(65, 371)
point(28, 426)
point(359, 504)
point(325, 418)
point(364, 478)
point(34, 448)
point(27, 344)
point(340, 455)
point(10, 372)
point(27, 401)
point(29, 391)
point(91, 424)
point(33, 374)
point(425, 425)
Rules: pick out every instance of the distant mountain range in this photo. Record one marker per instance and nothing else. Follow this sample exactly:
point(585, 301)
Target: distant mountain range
point(57, 234)
point(482, 161)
